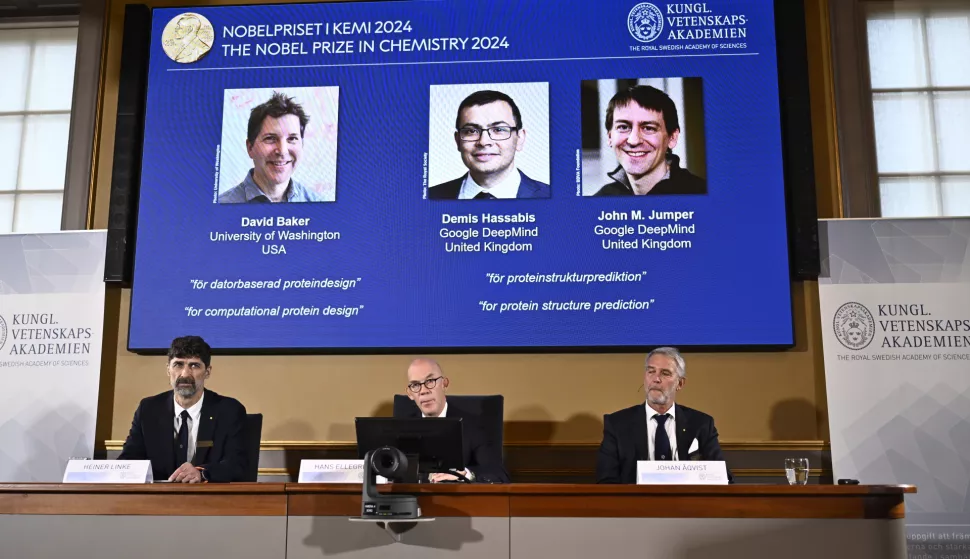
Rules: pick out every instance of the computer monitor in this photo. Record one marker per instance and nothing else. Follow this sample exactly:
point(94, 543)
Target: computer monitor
point(435, 443)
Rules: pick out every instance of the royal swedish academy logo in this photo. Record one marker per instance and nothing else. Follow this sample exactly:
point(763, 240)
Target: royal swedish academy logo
point(645, 22)
point(854, 326)
point(3, 332)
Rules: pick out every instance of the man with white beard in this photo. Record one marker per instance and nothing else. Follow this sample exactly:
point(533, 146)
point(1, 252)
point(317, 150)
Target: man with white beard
point(190, 434)
point(658, 429)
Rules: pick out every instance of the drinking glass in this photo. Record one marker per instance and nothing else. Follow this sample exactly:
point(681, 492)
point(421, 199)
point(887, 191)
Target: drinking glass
point(796, 470)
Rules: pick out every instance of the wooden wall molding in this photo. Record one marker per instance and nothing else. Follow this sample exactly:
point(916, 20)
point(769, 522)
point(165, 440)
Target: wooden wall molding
point(581, 472)
point(815, 446)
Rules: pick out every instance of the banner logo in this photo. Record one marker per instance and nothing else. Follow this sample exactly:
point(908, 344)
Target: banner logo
point(854, 326)
point(645, 22)
point(3, 332)
point(187, 38)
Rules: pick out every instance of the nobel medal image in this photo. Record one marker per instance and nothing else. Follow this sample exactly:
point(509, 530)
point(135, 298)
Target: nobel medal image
point(188, 37)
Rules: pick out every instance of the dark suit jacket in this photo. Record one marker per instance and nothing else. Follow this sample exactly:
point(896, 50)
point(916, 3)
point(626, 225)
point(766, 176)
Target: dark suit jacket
point(481, 456)
point(222, 423)
point(625, 441)
point(528, 188)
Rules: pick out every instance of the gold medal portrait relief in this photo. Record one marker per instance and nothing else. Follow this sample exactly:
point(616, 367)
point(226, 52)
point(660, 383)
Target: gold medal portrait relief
point(187, 38)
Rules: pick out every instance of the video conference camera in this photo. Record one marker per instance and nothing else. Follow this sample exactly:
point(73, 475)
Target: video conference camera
point(391, 463)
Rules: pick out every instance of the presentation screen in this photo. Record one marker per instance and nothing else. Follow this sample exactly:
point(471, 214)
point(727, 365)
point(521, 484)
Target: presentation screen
point(454, 175)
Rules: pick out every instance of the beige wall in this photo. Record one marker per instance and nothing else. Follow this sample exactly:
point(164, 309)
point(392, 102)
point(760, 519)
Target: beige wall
point(551, 397)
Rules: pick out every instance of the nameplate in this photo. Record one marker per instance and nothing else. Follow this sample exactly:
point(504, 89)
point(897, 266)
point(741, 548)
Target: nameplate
point(108, 471)
point(690, 472)
point(333, 471)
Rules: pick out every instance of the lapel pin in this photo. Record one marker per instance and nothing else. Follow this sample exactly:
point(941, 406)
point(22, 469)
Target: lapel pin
point(210, 418)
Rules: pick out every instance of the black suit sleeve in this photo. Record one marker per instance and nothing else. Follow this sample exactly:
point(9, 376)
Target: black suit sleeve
point(486, 463)
point(232, 466)
point(711, 447)
point(608, 458)
point(134, 448)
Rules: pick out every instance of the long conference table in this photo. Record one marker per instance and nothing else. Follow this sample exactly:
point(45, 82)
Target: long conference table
point(296, 521)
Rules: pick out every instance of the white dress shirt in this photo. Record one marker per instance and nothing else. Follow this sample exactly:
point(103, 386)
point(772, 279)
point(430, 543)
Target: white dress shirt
point(508, 188)
point(194, 413)
point(444, 412)
point(670, 427)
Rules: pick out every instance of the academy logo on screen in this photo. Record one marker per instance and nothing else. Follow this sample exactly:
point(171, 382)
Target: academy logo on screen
point(188, 37)
point(3, 332)
point(695, 26)
point(854, 326)
point(645, 22)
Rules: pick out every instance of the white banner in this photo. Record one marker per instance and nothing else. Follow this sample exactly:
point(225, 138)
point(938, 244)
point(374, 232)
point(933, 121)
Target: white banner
point(895, 307)
point(51, 320)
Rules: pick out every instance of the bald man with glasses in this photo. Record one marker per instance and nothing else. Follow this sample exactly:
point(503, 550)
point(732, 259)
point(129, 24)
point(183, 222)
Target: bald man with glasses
point(427, 387)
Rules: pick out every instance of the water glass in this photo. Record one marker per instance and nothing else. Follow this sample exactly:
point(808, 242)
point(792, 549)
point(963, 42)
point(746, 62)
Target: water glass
point(796, 470)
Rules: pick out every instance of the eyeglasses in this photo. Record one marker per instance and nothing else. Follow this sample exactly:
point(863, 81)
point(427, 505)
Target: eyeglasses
point(415, 386)
point(471, 134)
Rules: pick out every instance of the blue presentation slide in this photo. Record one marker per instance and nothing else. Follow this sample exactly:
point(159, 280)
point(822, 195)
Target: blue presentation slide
point(448, 175)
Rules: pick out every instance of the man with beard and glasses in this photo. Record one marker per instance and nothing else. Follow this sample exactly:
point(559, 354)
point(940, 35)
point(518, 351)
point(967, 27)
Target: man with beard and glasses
point(658, 429)
point(190, 434)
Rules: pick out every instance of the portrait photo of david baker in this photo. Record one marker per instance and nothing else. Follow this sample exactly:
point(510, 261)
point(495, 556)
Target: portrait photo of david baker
point(646, 143)
point(275, 148)
point(490, 137)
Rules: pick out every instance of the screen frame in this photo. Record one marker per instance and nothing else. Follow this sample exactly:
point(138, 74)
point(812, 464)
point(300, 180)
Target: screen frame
point(797, 156)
